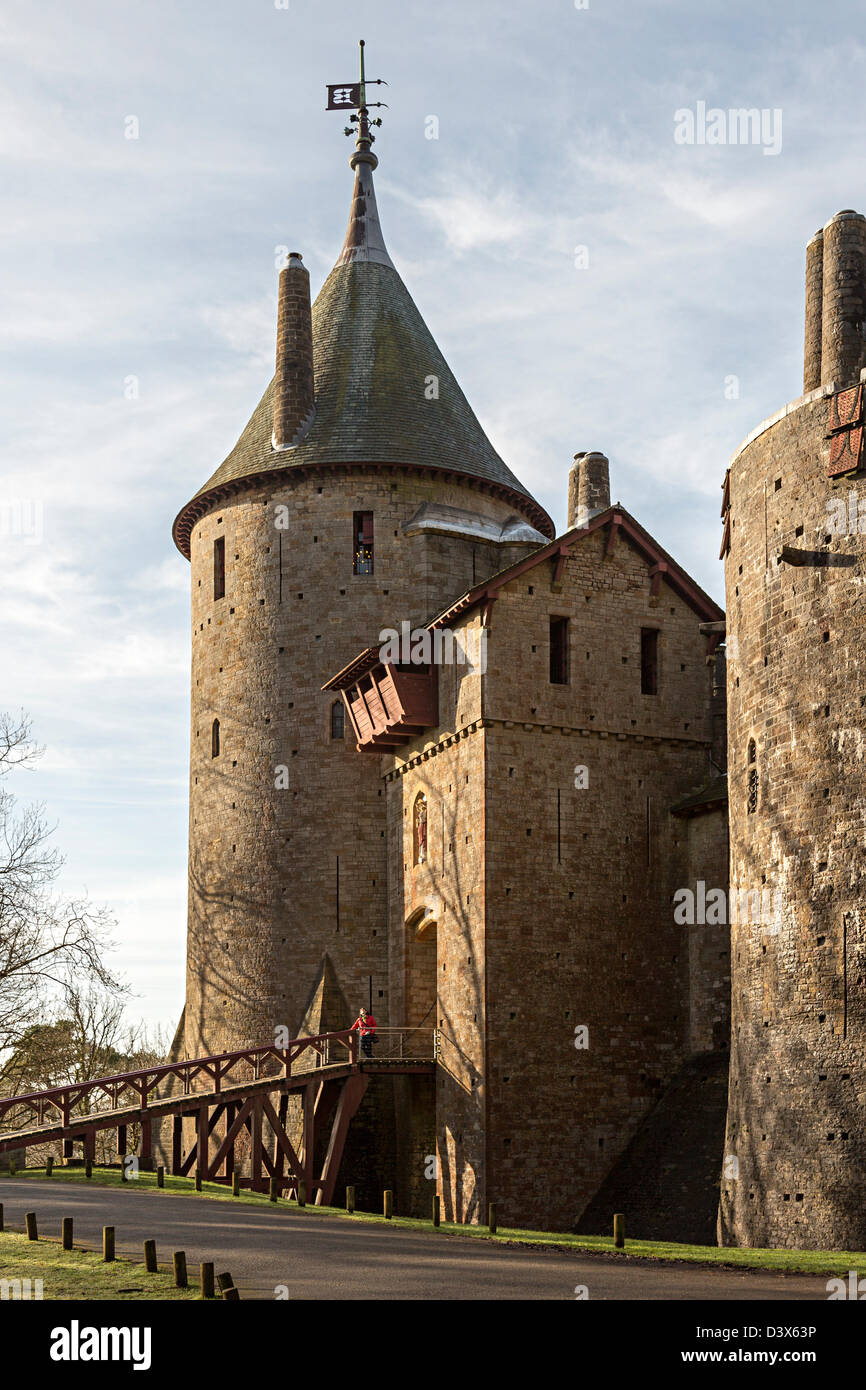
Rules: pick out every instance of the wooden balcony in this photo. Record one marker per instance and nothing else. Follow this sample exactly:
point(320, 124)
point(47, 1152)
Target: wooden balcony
point(389, 705)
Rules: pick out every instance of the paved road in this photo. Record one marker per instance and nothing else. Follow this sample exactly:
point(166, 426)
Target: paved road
point(325, 1257)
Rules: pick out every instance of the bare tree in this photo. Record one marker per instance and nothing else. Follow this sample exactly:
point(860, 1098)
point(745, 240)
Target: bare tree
point(45, 940)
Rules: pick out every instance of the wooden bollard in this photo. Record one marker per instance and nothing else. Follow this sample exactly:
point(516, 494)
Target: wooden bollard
point(1, 1216)
point(231, 1295)
point(236, 1185)
point(491, 1218)
point(350, 1199)
point(123, 1177)
point(225, 1282)
point(66, 1233)
point(179, 1262)
point(12, 1168)
point(88, 1167)
point(619, 1230)
point(49, 1165)
point(107, 1244)
point(30, 1225)
point(198, 1180)
point(273, 1190)
point(150, 1264)
point(436, 1209)
point(302, 1193)
point(389, 1204)
point(160, 1176)
point(206, 1278)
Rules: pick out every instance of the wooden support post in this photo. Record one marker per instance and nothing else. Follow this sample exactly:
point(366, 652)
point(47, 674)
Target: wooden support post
point(108, 1244)
point(49, 1165)
point(90, 1145)
point(619, 1230)
point(302, 1193)
point(491, 1218)
point(389, 1204)
point(66, 1233)
point(256, 1151)
point(198, 1180)
point(309, 1150)
point(30, 1225)
point(150, 1256)
point(12, 1169)
point(350, 1199)
point(201, 1148)
point(121, 1141)
point(68, 1149)
point(436, 1209)
point(179, 1262)
point(160, 1176)
point(1, 1216)
point(206, 1278)
point(236, 1185)
point(176, 1144)
point(146, 1146)
point(88, 1167)
point(225, 1281)
point(274, 1189)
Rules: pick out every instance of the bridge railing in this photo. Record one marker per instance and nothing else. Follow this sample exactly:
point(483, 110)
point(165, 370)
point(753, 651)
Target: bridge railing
point(405, 1044)
point(139, 1089)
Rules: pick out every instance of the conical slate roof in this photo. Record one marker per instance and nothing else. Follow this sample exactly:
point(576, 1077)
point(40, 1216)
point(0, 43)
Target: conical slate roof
point(373, 358)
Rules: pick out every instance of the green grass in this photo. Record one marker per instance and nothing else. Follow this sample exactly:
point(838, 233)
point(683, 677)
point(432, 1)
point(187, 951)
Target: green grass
point(81, 1274)
point(818, 1262)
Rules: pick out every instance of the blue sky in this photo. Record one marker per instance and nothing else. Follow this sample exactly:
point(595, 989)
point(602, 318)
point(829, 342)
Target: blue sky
point(138, 287)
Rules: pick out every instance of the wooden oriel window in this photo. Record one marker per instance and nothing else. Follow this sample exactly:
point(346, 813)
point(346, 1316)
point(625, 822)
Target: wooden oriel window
point(363, 543)
point(559, 651)
point(219, 567)
point(649, 661)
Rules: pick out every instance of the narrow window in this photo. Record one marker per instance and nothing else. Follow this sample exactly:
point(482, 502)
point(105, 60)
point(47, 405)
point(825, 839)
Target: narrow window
point(559, 651)
point(215, 739)
point(649, 661)
point(363, 536)
point(752, 800)
point(219, 568)
point(338, 719)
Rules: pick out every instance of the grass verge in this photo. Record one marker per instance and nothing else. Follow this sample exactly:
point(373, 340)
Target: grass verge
point(81, 1274)
point(818, 1262)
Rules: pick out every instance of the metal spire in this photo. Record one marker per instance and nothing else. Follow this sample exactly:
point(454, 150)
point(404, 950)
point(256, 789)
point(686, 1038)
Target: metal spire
point(364, 240)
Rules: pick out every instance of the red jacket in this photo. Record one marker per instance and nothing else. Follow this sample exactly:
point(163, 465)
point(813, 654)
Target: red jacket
point(365, 1026)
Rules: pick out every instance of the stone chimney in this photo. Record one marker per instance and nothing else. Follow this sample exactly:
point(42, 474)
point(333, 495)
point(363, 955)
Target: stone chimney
point(588, 488)
point(835, 339)
point(294, 402)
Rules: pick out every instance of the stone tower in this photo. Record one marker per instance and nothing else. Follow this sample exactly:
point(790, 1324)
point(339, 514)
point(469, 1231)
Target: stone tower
point(362, 493)
point(795, 517)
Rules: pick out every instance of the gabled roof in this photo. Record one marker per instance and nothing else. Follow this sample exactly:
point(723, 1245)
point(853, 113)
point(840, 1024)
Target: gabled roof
point(373, 361)
point(621, 525)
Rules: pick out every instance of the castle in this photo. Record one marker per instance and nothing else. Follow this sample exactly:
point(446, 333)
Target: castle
point(483, 827)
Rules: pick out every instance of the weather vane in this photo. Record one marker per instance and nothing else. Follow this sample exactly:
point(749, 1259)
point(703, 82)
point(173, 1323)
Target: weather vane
point(352, 96)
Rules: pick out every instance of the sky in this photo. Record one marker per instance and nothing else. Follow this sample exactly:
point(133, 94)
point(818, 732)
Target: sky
point(596, 280)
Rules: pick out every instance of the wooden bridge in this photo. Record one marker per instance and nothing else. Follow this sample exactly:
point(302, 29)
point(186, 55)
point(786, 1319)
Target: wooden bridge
point(231, 1096)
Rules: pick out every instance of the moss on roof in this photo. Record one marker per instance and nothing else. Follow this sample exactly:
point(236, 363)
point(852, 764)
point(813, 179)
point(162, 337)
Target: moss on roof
point(373, 354)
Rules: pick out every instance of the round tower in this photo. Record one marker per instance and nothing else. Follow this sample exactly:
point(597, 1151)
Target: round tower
point(362, 493)
point(795, 1157)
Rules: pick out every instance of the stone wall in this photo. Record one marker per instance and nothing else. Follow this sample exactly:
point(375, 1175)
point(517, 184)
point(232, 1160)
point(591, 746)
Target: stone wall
point(795, 1155)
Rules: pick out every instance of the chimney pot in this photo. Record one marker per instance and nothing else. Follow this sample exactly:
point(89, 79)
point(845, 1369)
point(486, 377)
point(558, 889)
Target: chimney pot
point(294, 392)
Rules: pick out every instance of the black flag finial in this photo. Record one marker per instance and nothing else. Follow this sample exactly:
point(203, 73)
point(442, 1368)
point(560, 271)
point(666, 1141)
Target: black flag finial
point(352, 96)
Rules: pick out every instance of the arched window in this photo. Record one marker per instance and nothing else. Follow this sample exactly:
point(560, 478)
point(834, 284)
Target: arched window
point(338, 719)
point(215, 739)
point(419, 829)
point(752, 800)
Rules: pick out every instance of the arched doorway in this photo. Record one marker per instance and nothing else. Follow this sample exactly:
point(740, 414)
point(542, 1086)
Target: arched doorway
point(420, 977)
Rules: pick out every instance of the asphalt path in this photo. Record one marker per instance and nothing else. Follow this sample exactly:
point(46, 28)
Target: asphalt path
point(287, 1253)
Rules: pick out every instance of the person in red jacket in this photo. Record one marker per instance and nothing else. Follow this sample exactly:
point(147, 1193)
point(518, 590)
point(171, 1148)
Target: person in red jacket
point(366, 1026)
